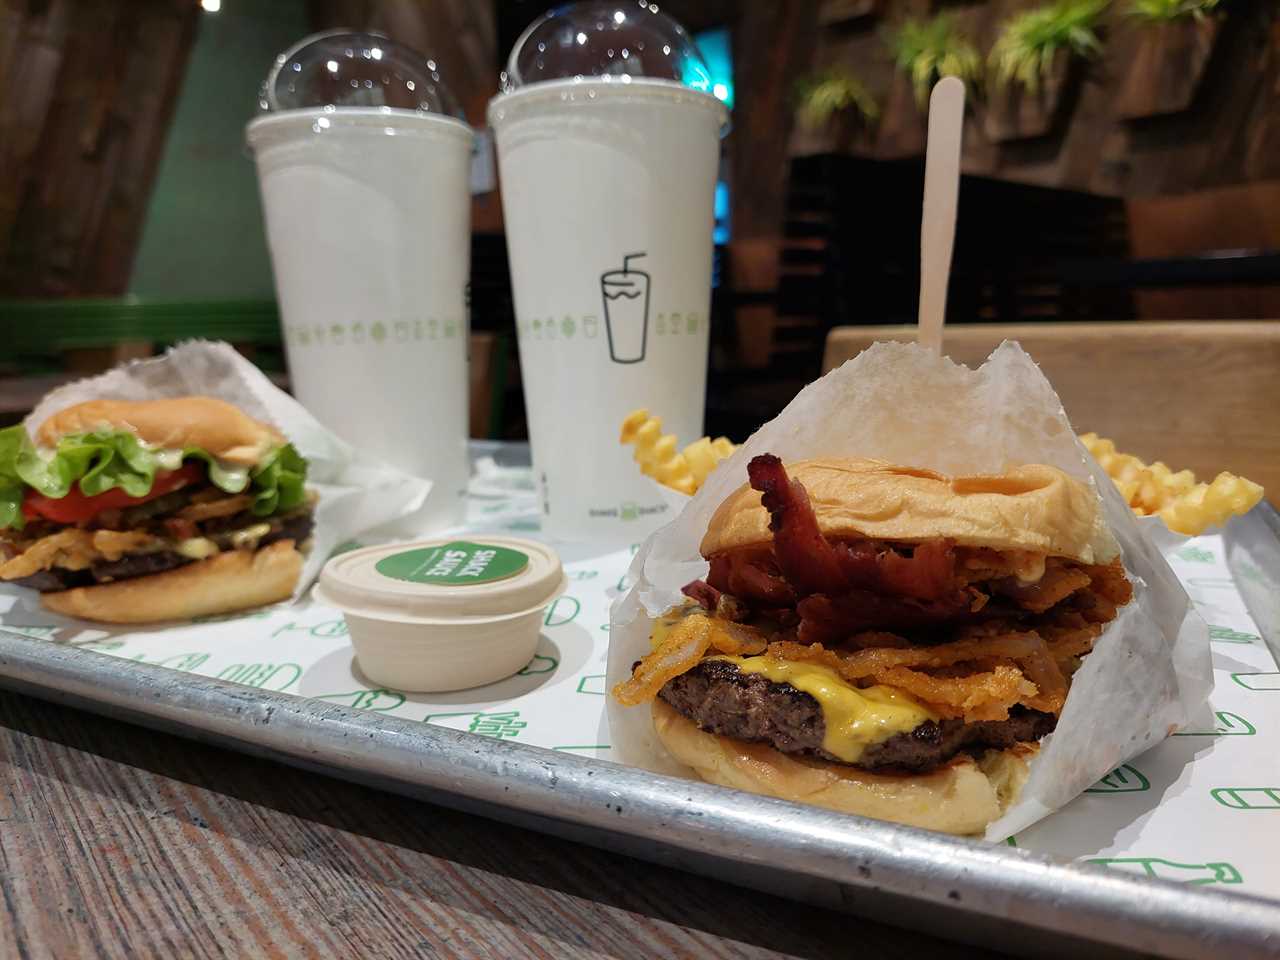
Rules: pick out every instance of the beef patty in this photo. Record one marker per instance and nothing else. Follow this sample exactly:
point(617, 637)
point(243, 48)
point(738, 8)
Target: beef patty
point(721, 699)
point(296, 528)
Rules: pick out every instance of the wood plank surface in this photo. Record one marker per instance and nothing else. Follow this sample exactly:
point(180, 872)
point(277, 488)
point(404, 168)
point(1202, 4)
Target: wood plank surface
point(120, 842)
point(1198, 395)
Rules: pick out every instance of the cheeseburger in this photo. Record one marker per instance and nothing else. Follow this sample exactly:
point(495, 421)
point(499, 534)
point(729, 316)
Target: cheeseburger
point(135, 512)
point(882, 640)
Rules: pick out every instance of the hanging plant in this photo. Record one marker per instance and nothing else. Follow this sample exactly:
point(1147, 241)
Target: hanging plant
point(835, 92)
point(1030, 42)
point(928, 50)
point(1167, 11)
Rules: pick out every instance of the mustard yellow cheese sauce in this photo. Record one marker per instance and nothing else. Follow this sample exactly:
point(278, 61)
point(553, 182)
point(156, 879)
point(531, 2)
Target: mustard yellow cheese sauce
point(855, 719)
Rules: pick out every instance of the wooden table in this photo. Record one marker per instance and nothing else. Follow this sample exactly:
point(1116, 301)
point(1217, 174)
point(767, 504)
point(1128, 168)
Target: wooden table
point(119, 842)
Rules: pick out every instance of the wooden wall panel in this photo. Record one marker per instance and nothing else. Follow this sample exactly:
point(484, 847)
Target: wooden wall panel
point(89, 88)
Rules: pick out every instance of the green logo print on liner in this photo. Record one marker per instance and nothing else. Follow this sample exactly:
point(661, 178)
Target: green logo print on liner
point(1248, 798)
point(558, 616)
point(592, 684)
point(327, 629)
point(186, 662)
point(496, 725)
point(1261, 682)
point(380, 700)
point(539, 664)
point(1194, 554)
point(1227, 635)
point(1190, 873)
point(271, 676)
point(1123, 779)
point(1227, 725)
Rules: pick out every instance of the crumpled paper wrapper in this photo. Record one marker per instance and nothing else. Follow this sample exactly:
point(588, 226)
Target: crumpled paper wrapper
point(1150, 672)
point(356, 491)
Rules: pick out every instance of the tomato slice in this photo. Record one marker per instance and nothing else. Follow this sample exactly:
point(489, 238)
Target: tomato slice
point(75, 507)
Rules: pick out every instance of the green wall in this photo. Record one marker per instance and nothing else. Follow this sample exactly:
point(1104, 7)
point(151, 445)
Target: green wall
point(203, 236)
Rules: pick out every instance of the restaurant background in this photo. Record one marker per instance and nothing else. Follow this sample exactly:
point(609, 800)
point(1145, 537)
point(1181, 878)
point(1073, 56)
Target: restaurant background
point(1139, 183)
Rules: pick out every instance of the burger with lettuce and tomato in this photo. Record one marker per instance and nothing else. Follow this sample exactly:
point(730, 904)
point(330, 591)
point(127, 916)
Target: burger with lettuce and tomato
point(142, 511)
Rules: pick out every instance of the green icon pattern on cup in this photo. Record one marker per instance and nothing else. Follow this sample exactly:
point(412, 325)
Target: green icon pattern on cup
point(570, 327)
point(378, 332)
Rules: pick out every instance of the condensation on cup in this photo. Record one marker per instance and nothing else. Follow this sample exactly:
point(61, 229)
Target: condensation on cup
point(608, 149)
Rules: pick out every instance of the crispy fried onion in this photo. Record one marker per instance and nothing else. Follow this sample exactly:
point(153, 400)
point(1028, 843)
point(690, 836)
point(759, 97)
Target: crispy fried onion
point(1008, 668)
point(685, 643)
point(75, 549)
point(1058, 583)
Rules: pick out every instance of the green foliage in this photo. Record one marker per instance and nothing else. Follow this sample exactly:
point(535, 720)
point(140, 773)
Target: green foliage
point(931, 49)
point(1163, 11)
point(833, 91)
point(1028, 43)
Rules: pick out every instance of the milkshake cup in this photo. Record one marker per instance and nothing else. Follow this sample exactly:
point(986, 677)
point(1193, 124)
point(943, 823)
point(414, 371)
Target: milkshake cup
point(608, 153)
point(363, 167)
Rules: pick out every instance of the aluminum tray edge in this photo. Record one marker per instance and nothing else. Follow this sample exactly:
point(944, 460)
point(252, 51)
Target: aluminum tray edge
point(693, 825)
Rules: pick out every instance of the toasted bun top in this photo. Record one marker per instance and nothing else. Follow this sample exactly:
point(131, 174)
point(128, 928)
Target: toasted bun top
point(1032, 507)
point(225, 431)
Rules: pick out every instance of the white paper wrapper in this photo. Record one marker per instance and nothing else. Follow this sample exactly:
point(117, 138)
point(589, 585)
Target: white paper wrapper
point(356, 492)
point(1150, 672)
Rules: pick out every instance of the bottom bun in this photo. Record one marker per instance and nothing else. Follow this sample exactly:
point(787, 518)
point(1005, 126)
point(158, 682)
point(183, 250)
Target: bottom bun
point(231, 581)
point(962, 797)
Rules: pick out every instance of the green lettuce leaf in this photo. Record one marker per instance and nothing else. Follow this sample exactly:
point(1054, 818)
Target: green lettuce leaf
point(11, 489)
point(102, 461)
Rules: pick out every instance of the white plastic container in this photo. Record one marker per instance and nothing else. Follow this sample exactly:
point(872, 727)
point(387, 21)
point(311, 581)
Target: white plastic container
point(443, 614)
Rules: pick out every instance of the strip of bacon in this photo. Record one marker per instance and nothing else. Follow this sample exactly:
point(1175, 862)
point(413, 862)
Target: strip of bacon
point(702, 593)
point(808, 561)
point(928, 574)
point(829, 620)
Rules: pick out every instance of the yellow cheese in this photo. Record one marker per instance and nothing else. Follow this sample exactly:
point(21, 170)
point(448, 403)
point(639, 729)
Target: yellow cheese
point(854, 719)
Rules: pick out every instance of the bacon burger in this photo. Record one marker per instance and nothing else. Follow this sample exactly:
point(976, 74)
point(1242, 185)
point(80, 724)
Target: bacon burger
point(136, 512)
point(882, 640)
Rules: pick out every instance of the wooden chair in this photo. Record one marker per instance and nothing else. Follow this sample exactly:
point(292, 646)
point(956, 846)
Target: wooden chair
point(1203, 395)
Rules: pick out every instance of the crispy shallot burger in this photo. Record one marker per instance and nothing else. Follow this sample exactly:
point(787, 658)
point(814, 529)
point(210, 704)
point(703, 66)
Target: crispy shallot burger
point(136, 512)
point(882, 640)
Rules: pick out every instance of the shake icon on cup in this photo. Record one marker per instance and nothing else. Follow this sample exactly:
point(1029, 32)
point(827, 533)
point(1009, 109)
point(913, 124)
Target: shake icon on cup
point(626, 311)
point(607, 107)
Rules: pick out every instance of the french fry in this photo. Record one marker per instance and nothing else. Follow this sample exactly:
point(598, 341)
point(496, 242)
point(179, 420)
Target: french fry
point(657, 454)
point(1185, 505)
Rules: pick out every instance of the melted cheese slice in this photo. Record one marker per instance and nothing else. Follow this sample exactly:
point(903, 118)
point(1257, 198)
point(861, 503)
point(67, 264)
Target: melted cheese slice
point(854, 718)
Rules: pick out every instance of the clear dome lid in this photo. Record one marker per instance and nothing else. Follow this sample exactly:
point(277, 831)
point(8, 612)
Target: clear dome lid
point(617, 40)
point(341, 69)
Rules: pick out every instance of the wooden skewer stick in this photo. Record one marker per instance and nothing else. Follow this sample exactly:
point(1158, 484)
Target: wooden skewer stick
point(941, 195)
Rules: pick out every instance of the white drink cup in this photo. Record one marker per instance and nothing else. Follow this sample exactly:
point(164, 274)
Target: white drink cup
point(368, 222)
point(607, 194)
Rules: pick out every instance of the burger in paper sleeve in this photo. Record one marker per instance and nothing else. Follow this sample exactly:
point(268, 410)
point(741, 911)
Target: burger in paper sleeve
point(142, 511)
point(896, 639)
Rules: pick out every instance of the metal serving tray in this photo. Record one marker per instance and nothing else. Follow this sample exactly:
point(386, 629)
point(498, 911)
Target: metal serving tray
point(965, 890)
